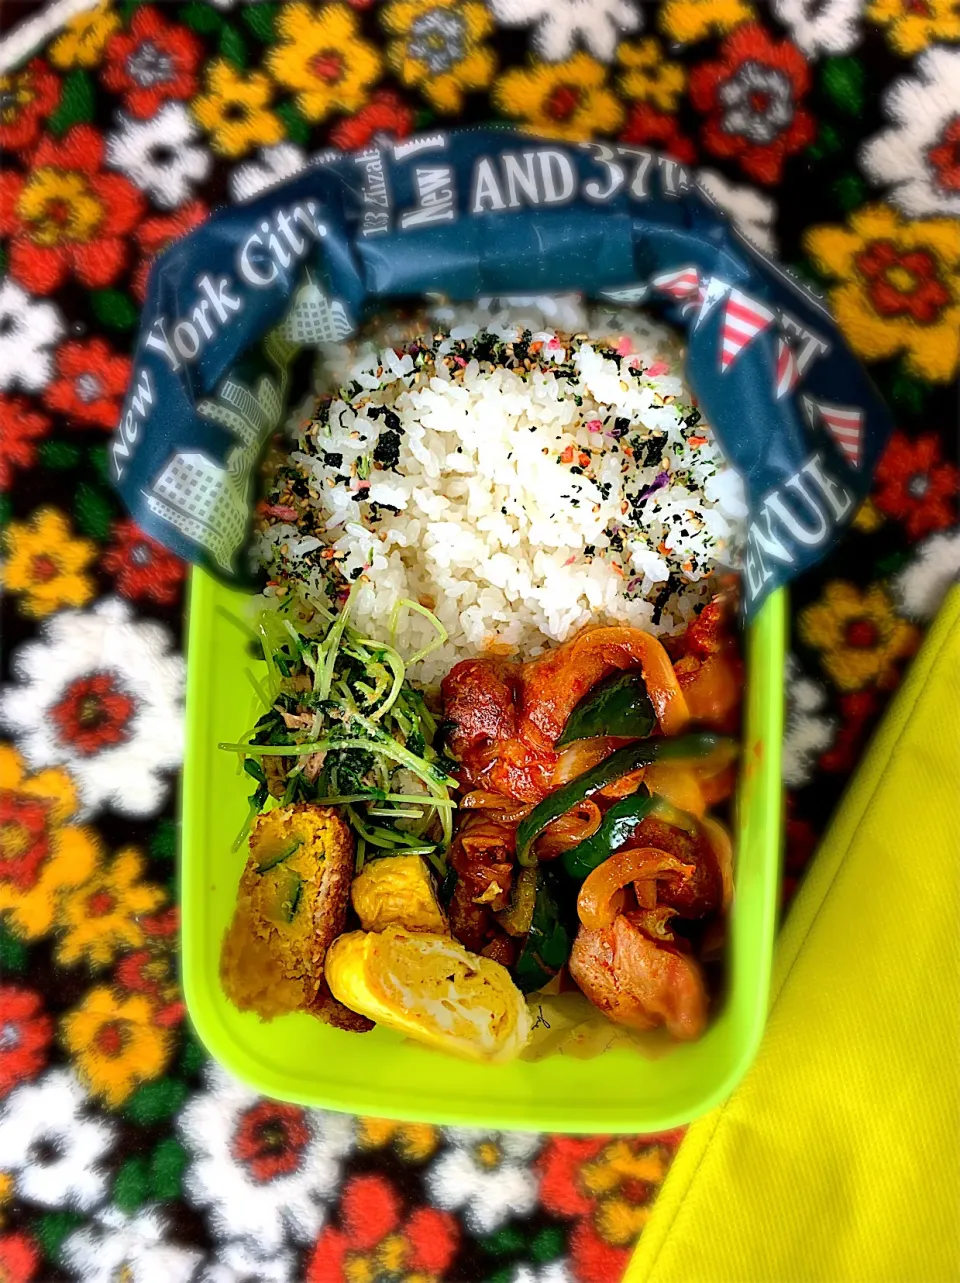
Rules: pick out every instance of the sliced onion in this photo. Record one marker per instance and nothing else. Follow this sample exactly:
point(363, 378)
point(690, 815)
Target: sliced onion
point(601, 896)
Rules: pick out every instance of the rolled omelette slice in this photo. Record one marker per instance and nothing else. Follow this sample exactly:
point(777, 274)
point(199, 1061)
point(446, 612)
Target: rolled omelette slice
point(397, 890)
point(432, 989)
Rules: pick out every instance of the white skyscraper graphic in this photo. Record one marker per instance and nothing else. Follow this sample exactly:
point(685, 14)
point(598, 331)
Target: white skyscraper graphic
point(208, 501)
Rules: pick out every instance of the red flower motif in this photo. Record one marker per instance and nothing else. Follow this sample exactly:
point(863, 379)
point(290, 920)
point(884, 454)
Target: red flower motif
point(270, 1139)
point(857, 711)
point(20, 426)
point(585, 1177)
point(66, 214)
point(91, 384)
point(144, 569)
point(155, 234)
point(945, 157)
point(648, 126)
point(751, 98)
point(25, 1033)
point(903, 283)
point(375, 1240)
point(94, 713)
point(385, 113)
point(24, 838)
point(19, 1258)
point(912, 485)
point(27, 97)
point(151, 971)
point(153, 62)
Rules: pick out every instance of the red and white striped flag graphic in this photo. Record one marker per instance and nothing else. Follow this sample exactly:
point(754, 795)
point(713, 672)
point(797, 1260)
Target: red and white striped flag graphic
point(787, 371)
point(684, 283)
point(845, 425)
point(743, 319)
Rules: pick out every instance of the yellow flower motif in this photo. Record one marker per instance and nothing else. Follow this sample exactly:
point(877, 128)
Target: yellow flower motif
point(859, 636)
point(899, 287)
point(84, 37)
point(869, 517)
point(912, 26)
point(46, 565)
point(440, 47)
point(322, 57)
point(115, 1043)
point(99, 918)
point(79, 211)
point(6, 1195)
point(234, 110)
point(568, 99)
point(612, 1178)
point(649, 77)
point(412, 1141)
point(41, 855)
point(688, 21)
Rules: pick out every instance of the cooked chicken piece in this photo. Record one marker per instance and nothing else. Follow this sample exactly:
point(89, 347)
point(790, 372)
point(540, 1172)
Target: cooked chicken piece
point(291, 904)
point(639, 982)
point(398, 891)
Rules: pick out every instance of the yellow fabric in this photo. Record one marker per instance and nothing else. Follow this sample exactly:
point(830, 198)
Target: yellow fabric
point(837, 1160)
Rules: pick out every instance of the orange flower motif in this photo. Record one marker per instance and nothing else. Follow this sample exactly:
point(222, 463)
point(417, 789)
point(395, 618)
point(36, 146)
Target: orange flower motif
point(322, 58)
point(568, 99)
point(898, 287)
point(115, 1043)
point(440, 47)
point(46, 565)
point(859, 636)
point(912, 25)
point(101, 918)
point(41, 854)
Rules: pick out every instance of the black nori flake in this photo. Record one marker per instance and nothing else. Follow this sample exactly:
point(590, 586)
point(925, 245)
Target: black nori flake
point(589, 550)
point(387, 450)
point(620, 428)
point(654, 451)
point(356, 572)
point(392, 421)
point(693, 418)
point(332, 458)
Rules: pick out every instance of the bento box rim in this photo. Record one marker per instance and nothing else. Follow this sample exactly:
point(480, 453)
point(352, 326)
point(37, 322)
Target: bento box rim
point(767, 635)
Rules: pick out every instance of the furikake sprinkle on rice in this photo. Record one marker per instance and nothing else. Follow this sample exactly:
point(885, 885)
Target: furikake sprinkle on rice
point(519, 483)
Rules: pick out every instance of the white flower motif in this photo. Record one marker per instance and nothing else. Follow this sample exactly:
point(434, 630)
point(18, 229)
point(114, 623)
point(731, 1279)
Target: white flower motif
point(264, 1169)
point(924, 582)
point(553, 1272)
point(752, 213)
point(917, 158)
point(598, 23)
point(28, 330)
point(51, 1146)
point(821, 26)
point(487, 1175)
point(273, 165)
point(808, 733)
point(241, 1262)
point(161, 154)
point(100, 693)
point(114, 1246)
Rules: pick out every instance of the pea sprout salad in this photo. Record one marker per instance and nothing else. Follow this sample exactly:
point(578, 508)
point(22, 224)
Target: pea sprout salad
point(341, 724)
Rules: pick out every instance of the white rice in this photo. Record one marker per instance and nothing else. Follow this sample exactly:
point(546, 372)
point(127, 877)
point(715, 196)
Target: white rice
point(518, 505)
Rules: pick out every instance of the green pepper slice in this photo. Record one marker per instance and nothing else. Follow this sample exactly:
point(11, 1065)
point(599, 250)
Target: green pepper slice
point(629, 758)
point(278, 855)
point(617, 706)
point(618, 826)
point(548, 943)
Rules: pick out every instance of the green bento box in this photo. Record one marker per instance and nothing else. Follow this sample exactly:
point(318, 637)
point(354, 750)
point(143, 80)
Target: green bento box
point(296, 1058)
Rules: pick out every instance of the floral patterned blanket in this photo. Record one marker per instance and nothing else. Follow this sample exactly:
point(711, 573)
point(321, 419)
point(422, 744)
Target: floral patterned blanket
point(828, 129)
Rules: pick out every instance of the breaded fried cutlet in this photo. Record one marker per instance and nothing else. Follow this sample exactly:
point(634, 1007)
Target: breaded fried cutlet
point(291, 904)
